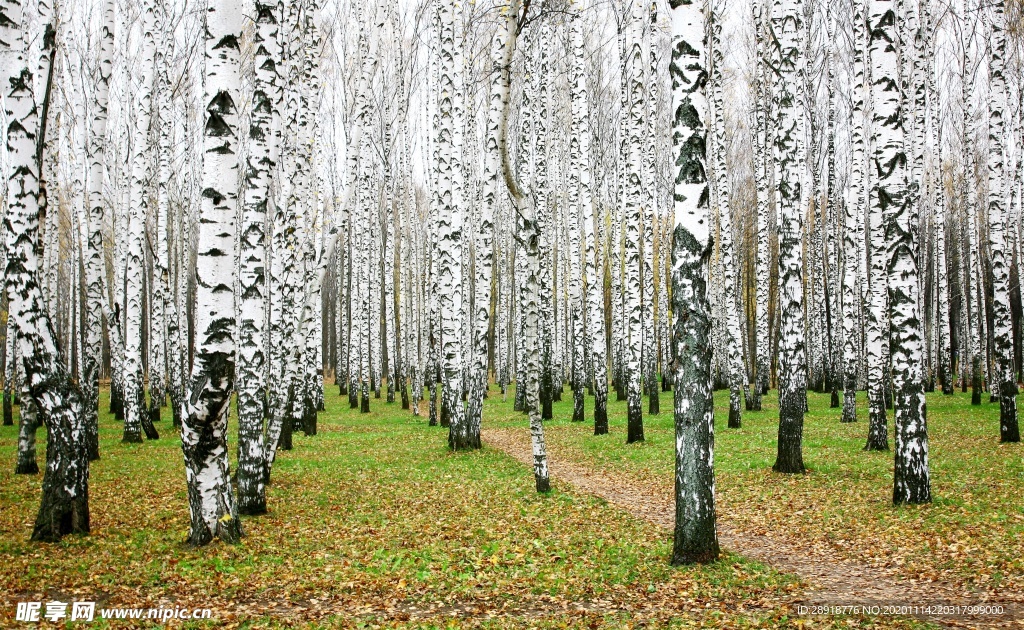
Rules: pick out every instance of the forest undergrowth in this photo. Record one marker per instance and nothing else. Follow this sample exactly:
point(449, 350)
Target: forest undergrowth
point(374, 523)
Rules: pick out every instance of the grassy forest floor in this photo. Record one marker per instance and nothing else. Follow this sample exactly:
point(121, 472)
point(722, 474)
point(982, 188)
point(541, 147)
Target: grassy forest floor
point(374, 523)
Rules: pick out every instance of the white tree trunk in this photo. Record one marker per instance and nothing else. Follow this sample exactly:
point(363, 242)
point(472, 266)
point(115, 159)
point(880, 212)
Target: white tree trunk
point(449, 226)
point(1001, 315)
point(696, 536)
point(138, 211)
point(633, 67)
point(911, 483)
point(787, 30)
point(64, 507)
point(205, 418)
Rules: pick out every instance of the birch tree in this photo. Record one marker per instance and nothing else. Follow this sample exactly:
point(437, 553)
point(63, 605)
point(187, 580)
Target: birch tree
point(484, 250)
point(527, 235)
point(853, 208)
point(696, 536)
point(911, 481)
point(64, 507)
point(788, 33)
point(138, 210)
point(1001, 316)
point(633, 69)
point(204, 419)
point(260, 163)
point(93, 239)
point(450, 222)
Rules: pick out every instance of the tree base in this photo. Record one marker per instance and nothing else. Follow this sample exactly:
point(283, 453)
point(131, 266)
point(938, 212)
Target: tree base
point(27, 468)
point(735, 418)
point(578, 413)
point(543, 485)
point(600, 419)
point(58, 519)
point(834, 404)
point(131, 438)
point(148, 428)
point(789, 467)
point(463, 443)
point(688, 557)
point(229, 530)
point(309, 423)
point(253, 507)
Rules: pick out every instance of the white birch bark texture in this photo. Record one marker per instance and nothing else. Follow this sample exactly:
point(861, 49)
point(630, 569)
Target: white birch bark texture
point(911, 482)
point(651, 199)
point(205, 417)
point(973, 309)
point(64, 507)
point(1001, 315)
point(734, 339)
point(252, 289)
point(595, 285)
point(529, 239)
point(633, 68)
point(851, 237)
point(788, 34)
point(164, 290)
point(943, 330)
point(449, 226)
point(93, 241)
point(578, 170)
point(696, 536)
point(11, 371)
point(484, 249)
point(138, 210)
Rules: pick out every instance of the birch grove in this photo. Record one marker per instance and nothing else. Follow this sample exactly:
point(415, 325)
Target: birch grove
point(224, 205)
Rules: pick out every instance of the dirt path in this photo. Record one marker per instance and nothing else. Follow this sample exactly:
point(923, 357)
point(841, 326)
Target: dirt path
point(832, 580)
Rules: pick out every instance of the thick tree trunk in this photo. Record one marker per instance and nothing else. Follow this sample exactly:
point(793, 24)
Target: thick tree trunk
point(252, 292)
point(205, 418)
point(1001, 316)
point(64, 507)
point(633, 69)
point(484, 250)
point(450, 222)
point(788, 31)
point(138, 210)
point(911, 482)
point(696, 536)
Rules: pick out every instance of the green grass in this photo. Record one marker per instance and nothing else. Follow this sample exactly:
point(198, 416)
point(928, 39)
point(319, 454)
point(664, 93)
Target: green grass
point(374, 519)
point(970, 535)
